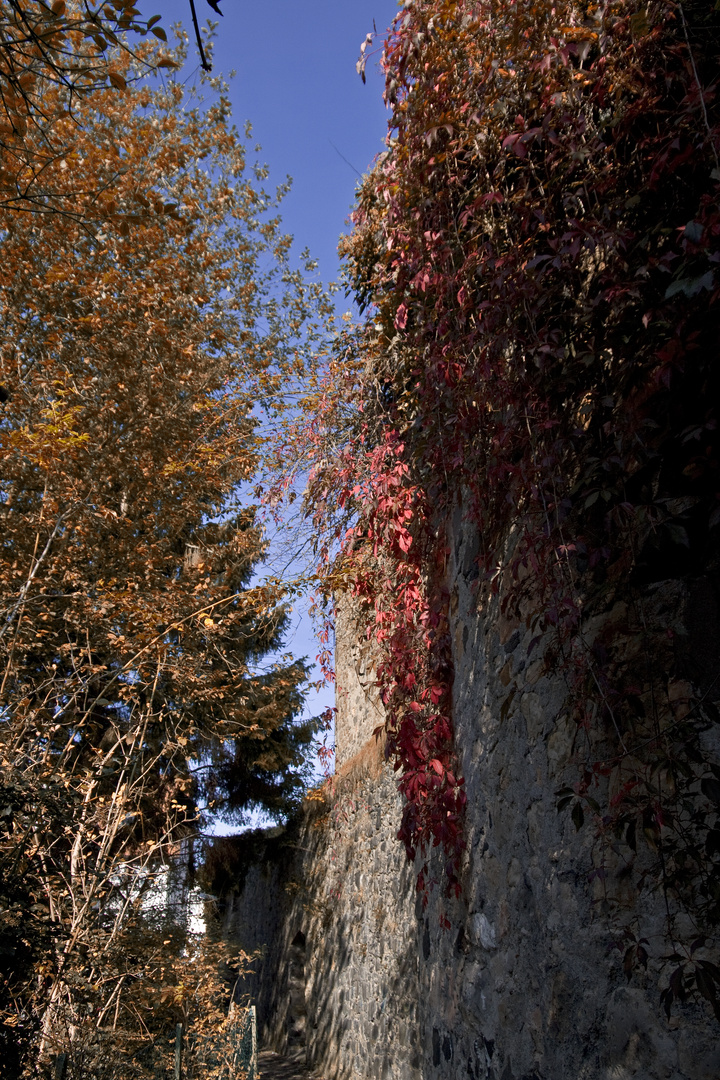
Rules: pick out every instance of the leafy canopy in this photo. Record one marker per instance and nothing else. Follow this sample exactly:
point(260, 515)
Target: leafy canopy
point(141, 334)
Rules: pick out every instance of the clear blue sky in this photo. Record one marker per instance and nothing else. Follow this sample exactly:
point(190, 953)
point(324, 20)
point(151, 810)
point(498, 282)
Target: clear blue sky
point(297, 84)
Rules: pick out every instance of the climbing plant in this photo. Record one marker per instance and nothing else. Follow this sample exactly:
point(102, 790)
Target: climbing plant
point(535, 254)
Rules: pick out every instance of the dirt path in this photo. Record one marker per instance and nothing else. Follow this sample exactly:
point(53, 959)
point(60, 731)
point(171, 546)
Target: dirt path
point(273, 1067)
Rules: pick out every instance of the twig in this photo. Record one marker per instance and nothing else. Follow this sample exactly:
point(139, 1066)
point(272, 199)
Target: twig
point(33, 571)
point(699, 86)
point(198, 39)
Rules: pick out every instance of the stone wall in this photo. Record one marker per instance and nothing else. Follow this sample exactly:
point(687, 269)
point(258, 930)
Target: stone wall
point(526, 985)
point(359, 710)
point(336, 893)
point(529, 984)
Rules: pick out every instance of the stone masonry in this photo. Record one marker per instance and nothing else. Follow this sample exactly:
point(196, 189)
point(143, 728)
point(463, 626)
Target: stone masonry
point(526, 985)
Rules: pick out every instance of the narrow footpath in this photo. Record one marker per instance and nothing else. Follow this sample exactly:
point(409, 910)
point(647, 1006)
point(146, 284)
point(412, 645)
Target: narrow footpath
point(273, 1067)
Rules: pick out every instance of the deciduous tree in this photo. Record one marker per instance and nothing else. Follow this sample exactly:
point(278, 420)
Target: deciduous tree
point(140, 338)
point(54, 53)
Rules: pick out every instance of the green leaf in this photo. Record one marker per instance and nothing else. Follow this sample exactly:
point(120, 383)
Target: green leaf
point(712, 969)
point(693, 231)
point(712, 842)
point(578, 816)
point(639, 23)
point(677, 533)
point(705, 985)
point(628, 962)
point(666, 999)
point(711, 789)
point(690, 286)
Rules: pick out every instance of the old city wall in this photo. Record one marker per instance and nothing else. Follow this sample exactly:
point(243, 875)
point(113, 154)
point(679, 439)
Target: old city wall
point(526, 985)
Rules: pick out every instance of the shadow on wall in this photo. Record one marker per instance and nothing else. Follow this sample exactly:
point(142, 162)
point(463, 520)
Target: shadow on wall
point(297, 1012)
point(262, 913)
point(526, 985)
point(364, 1018)
point(332, 906)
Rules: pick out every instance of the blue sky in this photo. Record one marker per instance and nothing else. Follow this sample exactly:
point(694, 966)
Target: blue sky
point(314, 119)
point(297, 84)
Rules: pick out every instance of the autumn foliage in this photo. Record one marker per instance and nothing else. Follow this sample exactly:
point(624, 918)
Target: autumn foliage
point(536, 256)
point(536, 252)
point(146, 312)
point(53, 56)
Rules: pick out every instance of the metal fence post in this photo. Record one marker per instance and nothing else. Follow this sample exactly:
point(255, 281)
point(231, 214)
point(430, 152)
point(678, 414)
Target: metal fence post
point(252, 1071)
point(178, 1051)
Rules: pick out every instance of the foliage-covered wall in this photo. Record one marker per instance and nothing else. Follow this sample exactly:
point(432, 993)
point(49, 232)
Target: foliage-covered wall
point(528, 975)
point(537, 254)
